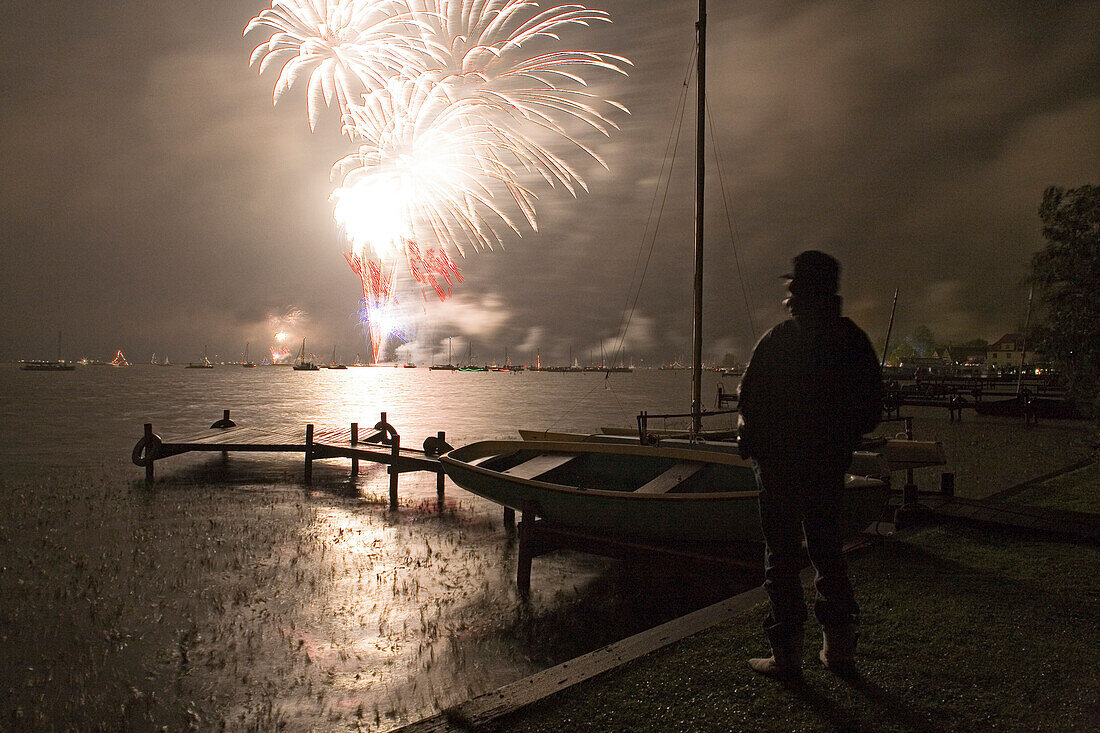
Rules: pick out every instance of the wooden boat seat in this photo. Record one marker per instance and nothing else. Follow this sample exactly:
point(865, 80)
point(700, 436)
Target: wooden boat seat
point(671, 478)
point(539, 465)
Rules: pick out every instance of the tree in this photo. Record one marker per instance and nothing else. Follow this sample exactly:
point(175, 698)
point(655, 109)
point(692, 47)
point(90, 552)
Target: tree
point(1067, 272)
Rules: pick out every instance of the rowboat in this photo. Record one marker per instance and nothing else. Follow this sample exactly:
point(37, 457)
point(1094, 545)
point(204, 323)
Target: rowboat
point(682, 494)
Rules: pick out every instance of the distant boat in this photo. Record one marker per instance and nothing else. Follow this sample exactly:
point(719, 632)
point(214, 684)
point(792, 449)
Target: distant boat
point(162, 362)
point(301, 364)
point(247, 362)
point(119, 360)
point(449, 366)
point(204, 364)
point(335, 364)
point(38, 365)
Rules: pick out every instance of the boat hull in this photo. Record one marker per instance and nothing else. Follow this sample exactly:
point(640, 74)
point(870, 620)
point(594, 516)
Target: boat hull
point(1041, 407)
point(598, 492)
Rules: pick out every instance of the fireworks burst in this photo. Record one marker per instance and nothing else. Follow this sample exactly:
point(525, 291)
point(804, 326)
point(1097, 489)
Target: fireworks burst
point(451, 105)
point(282, 327)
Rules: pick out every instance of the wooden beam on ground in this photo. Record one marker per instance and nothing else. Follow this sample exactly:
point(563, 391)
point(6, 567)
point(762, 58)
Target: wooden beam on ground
point(510, 698)
point(1076, 526)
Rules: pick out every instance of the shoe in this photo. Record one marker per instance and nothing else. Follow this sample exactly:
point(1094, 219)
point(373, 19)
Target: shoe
point(786, 658)
point(838, 648)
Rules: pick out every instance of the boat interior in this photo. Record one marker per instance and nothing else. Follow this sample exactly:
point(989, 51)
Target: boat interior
point(627, 473)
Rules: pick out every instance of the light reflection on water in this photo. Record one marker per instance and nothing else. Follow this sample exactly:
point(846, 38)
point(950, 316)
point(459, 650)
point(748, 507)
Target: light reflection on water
point(347, 611)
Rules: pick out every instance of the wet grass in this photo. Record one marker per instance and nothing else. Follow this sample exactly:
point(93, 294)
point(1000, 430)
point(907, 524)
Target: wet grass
point(962, 630)
point(229, 597)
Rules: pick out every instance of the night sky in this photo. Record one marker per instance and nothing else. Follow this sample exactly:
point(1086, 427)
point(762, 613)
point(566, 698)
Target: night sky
point(153, 200)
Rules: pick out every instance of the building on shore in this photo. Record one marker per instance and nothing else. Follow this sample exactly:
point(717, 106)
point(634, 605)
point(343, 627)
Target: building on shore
point(1008, 352)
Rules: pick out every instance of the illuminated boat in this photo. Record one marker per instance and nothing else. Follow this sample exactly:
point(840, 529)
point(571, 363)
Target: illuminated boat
point(335, 364)
point(41, 365)
point(301, 364)
point(36, 365)
point(682, 494)
point(204, 364)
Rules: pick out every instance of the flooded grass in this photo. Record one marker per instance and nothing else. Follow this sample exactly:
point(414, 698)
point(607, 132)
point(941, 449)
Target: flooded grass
point(229, 598)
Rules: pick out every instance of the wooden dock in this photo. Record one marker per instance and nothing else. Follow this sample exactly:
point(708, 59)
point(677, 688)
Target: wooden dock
point(382, 446)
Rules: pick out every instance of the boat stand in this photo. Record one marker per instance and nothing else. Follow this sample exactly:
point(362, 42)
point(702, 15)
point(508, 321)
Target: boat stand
point(538, 537)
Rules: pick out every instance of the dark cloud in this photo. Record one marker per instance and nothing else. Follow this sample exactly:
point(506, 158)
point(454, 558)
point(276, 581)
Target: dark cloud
point(153, 200)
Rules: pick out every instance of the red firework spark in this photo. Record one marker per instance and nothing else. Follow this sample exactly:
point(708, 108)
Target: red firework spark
point(434, 264)
point(434, 269)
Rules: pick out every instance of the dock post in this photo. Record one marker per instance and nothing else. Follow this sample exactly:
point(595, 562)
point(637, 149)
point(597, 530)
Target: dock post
point(309, 453)
point(355, 441)
point(947, 484)
point(395, 452)
point(509, 520)
point(148, 454)
point(440, 477)
point(526, 551)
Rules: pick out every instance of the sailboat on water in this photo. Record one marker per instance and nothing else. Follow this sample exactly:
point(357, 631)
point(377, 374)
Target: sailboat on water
point(302, 363)
point(204, 364)
point(38, 365)
point(335, 364)
point(681, 491)
point(450, 365)
point(247, 363)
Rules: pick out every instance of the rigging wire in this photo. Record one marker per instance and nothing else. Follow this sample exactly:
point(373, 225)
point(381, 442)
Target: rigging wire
point(651, 234)
point(729, 220)
point(653, 224)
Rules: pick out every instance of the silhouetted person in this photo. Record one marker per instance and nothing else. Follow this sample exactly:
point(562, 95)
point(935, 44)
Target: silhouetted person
point(812, 388)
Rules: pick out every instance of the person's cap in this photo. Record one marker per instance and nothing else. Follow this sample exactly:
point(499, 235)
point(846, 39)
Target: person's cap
point(814, 273)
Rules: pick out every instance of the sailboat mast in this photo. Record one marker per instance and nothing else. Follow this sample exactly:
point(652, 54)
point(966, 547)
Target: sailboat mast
point(1023, 355)
point(700, 174)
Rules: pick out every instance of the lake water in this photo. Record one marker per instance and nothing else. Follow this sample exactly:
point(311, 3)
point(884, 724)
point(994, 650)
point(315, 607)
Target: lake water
point(230, 595)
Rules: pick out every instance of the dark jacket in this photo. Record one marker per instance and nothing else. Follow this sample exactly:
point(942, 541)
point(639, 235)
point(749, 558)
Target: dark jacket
point(812, 387)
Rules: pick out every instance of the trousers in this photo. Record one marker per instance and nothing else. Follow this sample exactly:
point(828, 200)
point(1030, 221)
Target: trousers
point(800, 497)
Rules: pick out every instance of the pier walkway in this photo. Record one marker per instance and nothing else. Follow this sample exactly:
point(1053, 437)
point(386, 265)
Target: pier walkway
point(382, 446)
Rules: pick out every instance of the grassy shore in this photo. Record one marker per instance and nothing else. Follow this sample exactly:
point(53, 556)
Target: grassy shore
point(963, 629)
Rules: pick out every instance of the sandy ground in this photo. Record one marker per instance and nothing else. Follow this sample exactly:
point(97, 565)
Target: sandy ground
point(232, 598)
